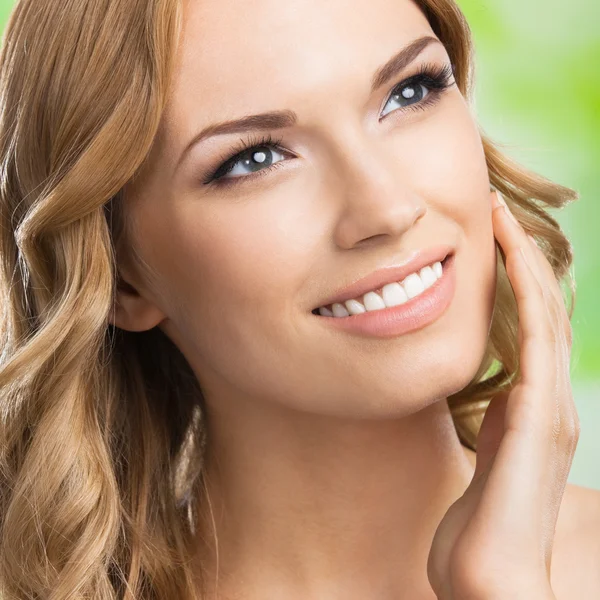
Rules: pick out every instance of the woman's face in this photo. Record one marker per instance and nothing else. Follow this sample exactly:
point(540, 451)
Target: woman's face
point(360, 180)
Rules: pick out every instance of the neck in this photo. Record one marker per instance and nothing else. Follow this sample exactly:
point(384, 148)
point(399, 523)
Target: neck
point(312, 506)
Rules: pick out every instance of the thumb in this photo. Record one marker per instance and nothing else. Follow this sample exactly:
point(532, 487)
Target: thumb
point(490, 433)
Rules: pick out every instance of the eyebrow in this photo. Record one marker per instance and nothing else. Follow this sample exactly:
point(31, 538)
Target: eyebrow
point(281, 119)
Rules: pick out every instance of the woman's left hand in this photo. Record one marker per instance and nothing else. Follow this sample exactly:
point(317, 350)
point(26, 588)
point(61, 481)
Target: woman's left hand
point(495, 541)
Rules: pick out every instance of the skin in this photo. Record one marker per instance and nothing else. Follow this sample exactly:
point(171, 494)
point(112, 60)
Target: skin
point(332, 458)
point(525, 448)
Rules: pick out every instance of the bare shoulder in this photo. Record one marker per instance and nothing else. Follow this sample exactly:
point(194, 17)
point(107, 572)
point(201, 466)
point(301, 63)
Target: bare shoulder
point(576, 555)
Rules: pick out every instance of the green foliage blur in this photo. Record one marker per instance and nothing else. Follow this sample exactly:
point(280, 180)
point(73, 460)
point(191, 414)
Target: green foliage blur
point(538, 95)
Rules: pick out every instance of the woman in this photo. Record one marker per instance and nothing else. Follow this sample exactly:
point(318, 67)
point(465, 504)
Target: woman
point(248, 356)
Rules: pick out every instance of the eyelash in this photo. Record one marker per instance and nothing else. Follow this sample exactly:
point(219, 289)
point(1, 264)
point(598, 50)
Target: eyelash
point(434, 77)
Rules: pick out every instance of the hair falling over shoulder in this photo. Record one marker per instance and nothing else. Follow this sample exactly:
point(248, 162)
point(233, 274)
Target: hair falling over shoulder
point(101, 430)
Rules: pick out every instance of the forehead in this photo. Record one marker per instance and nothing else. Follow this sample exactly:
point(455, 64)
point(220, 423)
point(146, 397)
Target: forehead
point(239, 58)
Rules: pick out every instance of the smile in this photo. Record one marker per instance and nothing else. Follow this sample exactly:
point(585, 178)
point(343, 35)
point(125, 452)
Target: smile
point(399, 307)
point(391, 294)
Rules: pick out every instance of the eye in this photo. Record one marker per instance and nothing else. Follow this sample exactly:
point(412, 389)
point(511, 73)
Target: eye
point(411, 93)
point(257, 157)
point(254, 159)
point(422, 89)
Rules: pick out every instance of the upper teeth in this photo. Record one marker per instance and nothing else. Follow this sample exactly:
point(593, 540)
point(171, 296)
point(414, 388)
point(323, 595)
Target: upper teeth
point(391, 294)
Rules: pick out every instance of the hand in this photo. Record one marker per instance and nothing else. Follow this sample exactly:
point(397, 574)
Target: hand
point(495, 541)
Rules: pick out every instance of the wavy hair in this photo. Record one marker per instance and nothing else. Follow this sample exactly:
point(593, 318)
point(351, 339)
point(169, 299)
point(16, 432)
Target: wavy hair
point(102, 431)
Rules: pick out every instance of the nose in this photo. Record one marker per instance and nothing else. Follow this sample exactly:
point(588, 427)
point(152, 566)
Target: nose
point(376, 198)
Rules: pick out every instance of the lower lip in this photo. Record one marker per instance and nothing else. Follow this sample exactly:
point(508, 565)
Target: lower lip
point(415, 314)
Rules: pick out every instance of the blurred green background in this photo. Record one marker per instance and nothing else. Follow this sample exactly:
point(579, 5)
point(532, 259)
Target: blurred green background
point(538, 95)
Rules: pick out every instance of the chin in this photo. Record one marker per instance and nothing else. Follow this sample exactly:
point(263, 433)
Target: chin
point(449, 366)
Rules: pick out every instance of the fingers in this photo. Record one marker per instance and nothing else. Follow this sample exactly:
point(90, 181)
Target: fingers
point(554, 288)
point(490, 433)
point(537, 330)
point(546, 276)
point(550, 286)
point(569, 417)
point(521, 473)
point(544, 345)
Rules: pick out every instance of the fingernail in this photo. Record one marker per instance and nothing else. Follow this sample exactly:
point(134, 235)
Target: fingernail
point(500, 198)
point(509, 213)
point(507, 210)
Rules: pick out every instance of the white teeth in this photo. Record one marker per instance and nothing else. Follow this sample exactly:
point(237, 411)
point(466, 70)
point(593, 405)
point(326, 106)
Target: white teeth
point(339, 310)
point(354, 307)
point(373, 301)
point(428, 277)
point(413, 285)
point(392, 294)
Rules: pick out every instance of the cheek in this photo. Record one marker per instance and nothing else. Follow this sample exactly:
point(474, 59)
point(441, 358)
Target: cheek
point(447, 167)
point(443, 156)
point(230, 267)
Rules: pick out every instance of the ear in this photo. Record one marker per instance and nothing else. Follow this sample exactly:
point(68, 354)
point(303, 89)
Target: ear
point(132, 311)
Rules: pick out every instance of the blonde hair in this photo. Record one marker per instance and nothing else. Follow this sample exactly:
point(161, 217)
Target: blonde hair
point(101, 430)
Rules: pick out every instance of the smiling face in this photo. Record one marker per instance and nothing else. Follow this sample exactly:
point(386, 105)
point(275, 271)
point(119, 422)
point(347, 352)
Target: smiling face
point(366, 173)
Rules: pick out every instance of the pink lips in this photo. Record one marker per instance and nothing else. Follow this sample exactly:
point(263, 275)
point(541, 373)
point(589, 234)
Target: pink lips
point(376, 280)
point(417, 313)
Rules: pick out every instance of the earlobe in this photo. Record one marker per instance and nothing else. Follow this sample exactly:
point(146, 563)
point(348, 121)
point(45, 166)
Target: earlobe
point(132, 311)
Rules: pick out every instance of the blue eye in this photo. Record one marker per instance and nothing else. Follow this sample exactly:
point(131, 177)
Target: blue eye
point(409, 94)
point(414, 93)
point(258, 157)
